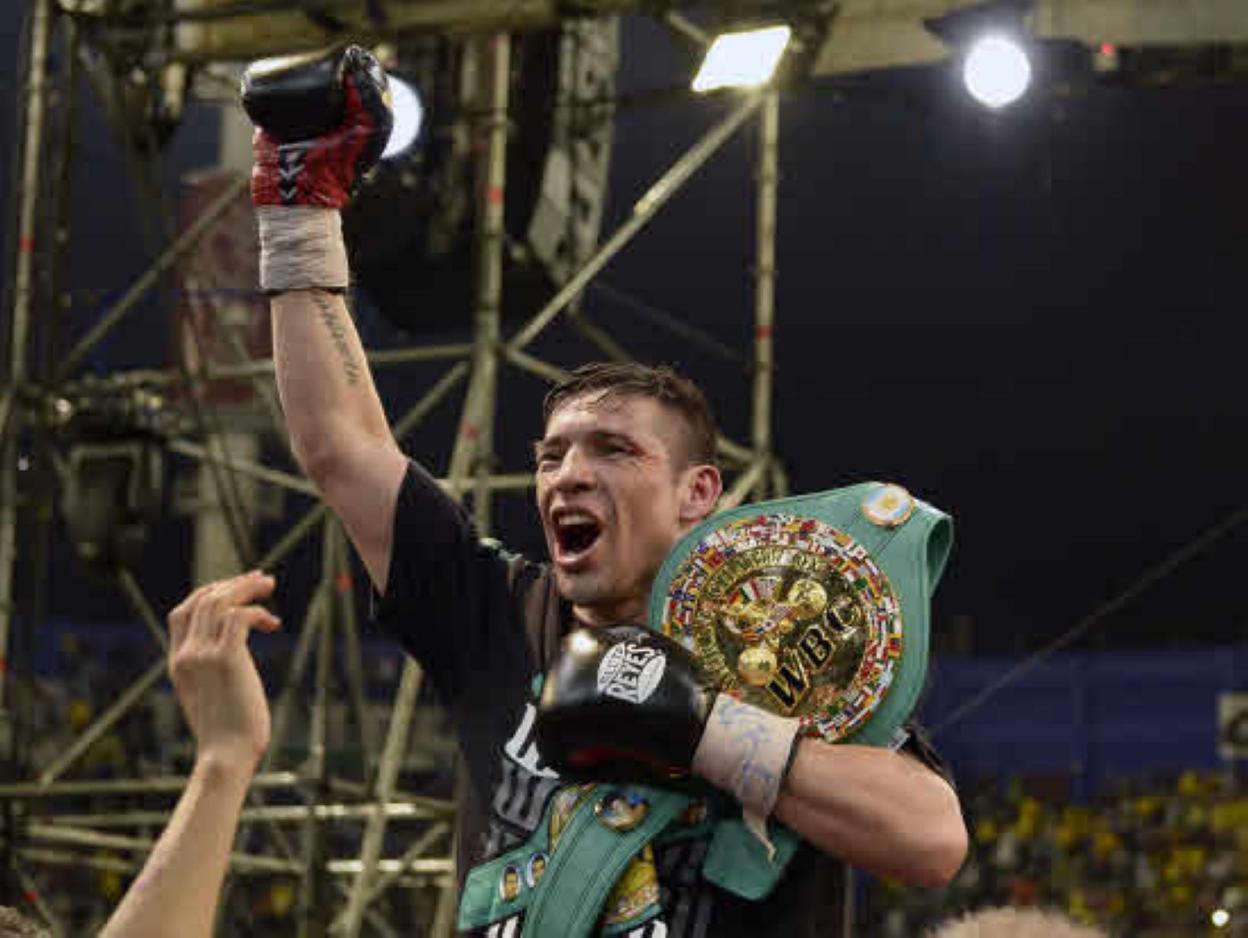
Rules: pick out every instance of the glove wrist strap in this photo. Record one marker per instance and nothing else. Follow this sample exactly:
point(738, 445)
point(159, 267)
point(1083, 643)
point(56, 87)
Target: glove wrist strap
point(745, 750)
point(301, 248)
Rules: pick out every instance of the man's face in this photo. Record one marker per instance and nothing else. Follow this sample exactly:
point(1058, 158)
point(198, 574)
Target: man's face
point(614, 498)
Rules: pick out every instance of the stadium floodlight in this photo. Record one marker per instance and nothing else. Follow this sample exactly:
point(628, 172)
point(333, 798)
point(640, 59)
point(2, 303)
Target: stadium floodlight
point(408, 116)
point(996, 71)
point(1220, 918)
point(744, 59)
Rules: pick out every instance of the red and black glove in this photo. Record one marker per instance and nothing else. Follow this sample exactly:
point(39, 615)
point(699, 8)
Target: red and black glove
point(322, 123)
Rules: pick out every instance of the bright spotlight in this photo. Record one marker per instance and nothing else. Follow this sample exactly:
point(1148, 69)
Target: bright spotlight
point(1220, 918)
point(997, 71)
point(742, 60)
point(408, 115)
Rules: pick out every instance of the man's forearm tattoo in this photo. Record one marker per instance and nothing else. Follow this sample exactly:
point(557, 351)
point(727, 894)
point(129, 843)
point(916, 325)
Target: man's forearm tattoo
point(337, 332)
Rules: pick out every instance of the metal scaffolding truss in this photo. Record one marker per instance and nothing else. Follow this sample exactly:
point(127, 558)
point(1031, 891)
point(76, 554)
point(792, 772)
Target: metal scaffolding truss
point(293, 810)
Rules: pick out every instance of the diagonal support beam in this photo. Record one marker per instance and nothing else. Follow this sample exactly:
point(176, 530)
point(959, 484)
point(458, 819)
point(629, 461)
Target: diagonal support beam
point(387, 773)
point(129, 697)
point(645, 209)
point(185, 243)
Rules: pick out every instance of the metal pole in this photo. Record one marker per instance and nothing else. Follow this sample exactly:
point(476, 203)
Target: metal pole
point(312, 903)
point(129, 697)
point(166, 784)
point(474, 443)
point(174, 253)
point(655, 198)
point(387, 772)
point(601, 339)
point(490, 271)
point(426, 840)
point(294, 534)
point(313, 621)
point(263, 367)
point(421, 869)
point(244, 467)
point(19, 330)
point(287, 814)
point(765, 283)
point(779, 479)
point(35, 896)
point(129, 586)
point(752, 479)
point(353, 664)
point(28, 187)
point(423, 407)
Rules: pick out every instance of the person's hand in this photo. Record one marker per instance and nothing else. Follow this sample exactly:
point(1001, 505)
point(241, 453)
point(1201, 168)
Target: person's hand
point(213, 672)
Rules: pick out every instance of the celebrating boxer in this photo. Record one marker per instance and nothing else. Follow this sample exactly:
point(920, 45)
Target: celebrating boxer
point(557, 652)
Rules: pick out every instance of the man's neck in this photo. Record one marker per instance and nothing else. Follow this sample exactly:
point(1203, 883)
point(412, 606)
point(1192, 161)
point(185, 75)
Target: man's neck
point(632, 609)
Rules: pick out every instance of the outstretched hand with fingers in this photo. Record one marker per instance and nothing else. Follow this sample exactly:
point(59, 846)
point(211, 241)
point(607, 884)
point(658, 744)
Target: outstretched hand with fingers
point(212, 669)
point(221, 695)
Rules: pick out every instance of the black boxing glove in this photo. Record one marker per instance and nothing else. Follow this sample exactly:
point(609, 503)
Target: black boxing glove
point(627, 702)
point(622, 702)
point(322, 123)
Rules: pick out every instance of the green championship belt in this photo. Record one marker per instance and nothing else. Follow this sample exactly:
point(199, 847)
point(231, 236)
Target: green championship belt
point(814, 606)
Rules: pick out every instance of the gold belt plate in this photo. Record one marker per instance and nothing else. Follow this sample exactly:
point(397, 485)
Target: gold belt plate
point(788, 613)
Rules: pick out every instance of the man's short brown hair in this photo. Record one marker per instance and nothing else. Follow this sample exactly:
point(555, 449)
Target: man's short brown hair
point(662, 384)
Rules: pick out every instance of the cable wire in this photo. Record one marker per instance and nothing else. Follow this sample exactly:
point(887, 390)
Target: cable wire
point(1156, 574)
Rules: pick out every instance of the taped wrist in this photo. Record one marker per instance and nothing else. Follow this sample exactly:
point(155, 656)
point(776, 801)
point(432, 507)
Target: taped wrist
point(746, 750)
point(301, 248)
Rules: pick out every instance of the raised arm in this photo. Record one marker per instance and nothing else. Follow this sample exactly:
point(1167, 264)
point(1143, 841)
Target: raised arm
point(224, 704)
point(323, 122)
point(337, 426)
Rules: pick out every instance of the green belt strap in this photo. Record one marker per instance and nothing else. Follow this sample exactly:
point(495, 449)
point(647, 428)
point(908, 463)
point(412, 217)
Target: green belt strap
point(568, 904)
point(580, 872)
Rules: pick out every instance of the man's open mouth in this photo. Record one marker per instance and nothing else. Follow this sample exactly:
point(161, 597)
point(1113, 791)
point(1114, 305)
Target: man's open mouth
point(575, 532)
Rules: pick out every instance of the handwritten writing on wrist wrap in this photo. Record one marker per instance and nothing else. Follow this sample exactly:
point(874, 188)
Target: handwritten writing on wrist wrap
point(745, 750)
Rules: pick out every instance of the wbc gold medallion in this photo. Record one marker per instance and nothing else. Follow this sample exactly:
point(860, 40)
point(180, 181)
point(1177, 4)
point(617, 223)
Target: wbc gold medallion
point(790, 614)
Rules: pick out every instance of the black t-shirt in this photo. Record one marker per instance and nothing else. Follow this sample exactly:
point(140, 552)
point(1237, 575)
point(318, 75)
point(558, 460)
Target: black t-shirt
point(484, 623)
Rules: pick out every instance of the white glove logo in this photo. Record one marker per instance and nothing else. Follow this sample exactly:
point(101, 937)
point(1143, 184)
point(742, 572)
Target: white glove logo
point(630, 672)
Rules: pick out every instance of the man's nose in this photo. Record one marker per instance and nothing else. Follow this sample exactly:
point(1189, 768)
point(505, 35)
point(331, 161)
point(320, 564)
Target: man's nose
point(575, 471)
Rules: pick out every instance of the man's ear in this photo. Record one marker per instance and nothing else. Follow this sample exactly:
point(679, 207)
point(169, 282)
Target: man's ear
point(703, 486)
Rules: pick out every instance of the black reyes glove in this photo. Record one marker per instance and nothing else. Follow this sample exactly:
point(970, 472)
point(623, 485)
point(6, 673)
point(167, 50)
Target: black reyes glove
point(622, 702)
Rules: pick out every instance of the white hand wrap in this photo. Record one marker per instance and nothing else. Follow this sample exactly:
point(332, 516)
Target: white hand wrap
point(745, 750)
point(301, 248)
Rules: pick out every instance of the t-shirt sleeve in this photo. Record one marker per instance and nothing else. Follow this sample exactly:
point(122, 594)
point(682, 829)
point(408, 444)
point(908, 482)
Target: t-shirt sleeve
point(448, 593)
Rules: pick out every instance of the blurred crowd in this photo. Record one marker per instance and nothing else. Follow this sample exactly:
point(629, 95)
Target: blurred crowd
point(1149, 858)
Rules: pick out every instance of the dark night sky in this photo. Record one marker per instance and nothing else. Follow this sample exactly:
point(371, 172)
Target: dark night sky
point(1031, 319)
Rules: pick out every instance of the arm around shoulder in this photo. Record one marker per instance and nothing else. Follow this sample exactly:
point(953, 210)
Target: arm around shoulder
point(882, 811)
